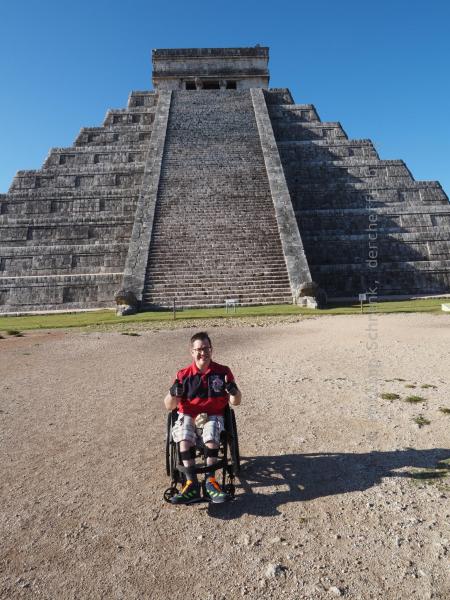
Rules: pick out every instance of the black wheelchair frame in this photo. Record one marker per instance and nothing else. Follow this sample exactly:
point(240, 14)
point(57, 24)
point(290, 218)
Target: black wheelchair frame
point(228, 460)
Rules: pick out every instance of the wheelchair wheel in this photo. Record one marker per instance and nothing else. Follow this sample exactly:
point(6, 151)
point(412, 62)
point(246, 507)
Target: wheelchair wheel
point(170, 493)
point(232, 440)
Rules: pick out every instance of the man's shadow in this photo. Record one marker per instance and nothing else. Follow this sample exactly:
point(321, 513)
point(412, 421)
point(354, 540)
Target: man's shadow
point(267, 482)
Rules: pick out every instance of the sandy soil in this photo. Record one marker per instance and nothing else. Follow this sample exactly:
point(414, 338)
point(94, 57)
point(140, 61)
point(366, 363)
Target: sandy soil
point(330, 502)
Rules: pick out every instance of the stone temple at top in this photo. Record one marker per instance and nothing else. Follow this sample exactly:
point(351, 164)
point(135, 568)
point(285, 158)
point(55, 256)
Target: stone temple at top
point(213, 186)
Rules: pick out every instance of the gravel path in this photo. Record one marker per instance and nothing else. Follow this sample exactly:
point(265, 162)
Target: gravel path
point(331, 503)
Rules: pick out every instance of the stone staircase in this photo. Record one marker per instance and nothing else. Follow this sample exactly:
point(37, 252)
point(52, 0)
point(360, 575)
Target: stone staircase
point(64, 229)
point(215, 234)
point(349, 203)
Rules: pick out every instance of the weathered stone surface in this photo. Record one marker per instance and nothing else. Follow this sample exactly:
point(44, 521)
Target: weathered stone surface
point(137, 258)
point(294, 255)
point(127, 303)
point(126, 298)
point(210, 68)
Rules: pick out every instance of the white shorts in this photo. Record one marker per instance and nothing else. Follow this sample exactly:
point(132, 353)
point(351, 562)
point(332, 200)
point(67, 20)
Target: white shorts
point(185, 429)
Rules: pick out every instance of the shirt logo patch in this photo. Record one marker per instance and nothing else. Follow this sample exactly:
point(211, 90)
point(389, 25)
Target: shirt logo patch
point(216, 383)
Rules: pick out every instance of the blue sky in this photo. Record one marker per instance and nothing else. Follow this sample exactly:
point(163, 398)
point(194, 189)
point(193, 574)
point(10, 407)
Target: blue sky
point(380, 68)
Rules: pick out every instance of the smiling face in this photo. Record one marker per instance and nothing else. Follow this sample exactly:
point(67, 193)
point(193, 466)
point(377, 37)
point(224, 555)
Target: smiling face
point(201, 351)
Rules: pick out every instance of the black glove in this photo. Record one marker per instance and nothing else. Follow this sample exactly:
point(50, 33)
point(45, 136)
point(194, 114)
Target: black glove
point(231, 388)
point(176, 389)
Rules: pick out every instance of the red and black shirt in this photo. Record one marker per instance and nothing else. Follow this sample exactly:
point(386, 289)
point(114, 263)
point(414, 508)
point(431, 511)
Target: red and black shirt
point(203, 392)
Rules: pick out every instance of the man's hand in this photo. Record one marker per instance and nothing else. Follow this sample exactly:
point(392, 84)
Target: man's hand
point(177, 389)
point(231, 388)
point(170, 402)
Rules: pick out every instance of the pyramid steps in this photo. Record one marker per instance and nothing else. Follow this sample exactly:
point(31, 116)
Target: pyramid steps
point(215, 215)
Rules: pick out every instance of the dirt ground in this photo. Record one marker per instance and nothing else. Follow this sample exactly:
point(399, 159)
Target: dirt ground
point(339, 493)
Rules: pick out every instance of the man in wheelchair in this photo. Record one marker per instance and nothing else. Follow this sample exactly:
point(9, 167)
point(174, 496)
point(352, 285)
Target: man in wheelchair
point(201, 393)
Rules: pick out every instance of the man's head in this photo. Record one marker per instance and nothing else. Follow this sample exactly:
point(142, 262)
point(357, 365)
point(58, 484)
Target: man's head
point(201, 350)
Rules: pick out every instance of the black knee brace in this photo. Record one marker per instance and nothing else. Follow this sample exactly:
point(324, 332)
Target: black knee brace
point(213, 452)
point(188, 454)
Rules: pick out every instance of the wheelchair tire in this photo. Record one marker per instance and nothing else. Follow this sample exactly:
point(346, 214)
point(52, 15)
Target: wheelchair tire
point(168, 438)
point(234, 445)
point(171, 448)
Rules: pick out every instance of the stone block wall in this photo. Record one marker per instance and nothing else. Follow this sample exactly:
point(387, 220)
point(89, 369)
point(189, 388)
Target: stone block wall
point(173, 68)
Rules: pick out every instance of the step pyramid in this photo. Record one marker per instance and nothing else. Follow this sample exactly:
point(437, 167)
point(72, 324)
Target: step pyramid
point(212, 187)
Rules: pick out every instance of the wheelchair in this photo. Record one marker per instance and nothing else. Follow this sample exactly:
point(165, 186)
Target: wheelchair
point(228, 462)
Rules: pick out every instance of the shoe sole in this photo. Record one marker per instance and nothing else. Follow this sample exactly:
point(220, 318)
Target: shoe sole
point(218, 500)
point(193, 501)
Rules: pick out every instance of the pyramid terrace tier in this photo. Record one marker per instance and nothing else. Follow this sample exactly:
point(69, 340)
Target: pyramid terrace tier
point(57, 292)
point(116, 130)
point(285, 132)
point(387, 280)
point(143, 98)
point(67, 158)
point(380, 248)
point(74, 201)
point(50, 231)
point(293, 113)
point(387, 220)
point(111, 136)
point(277, 97)
point(325, 150)
point(62, 259)
point(370, 194)
point(88, 178)
point(121, 118)
point(350, 170)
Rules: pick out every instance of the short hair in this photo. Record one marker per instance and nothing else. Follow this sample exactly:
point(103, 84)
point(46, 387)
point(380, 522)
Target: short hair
point(201, 335)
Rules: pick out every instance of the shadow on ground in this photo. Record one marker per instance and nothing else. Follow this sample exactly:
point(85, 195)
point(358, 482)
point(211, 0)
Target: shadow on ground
point(268, 482)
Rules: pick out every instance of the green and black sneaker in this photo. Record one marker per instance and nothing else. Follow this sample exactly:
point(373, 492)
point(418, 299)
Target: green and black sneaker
point(214, 491)
point(189, 494)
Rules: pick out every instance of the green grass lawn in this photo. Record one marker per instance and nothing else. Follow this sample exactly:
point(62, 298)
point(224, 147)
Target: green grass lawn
point(108, 317)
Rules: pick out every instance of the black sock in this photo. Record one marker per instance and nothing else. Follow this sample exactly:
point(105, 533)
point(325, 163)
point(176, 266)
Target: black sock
point(191, 474)
point(210, 473)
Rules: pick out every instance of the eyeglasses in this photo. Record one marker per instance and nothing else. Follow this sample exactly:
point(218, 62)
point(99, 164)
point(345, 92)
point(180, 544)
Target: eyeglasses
point(205, 349)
